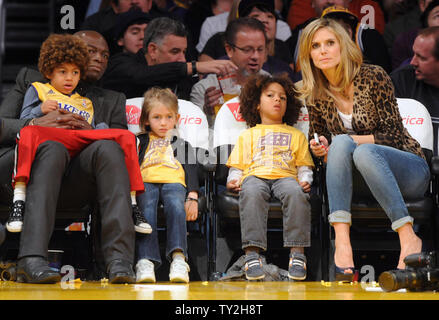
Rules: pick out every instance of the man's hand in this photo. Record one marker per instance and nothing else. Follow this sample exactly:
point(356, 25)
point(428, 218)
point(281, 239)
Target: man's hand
point(219, 67)
point(63, 119)
point(49, 105)
point(211, 99)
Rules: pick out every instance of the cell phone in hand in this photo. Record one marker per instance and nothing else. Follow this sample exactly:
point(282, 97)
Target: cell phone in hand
point(316, 138)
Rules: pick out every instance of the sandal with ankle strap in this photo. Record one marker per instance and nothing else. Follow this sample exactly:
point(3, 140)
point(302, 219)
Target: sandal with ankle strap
point(343, 274)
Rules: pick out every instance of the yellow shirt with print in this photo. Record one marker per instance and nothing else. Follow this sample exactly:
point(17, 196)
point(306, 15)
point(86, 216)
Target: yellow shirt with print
point(159, 164)
point(270, 152)
point(74, 103)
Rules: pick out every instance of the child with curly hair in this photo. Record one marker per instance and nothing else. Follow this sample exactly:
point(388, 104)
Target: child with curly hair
point(271, 158)
point(63, 60)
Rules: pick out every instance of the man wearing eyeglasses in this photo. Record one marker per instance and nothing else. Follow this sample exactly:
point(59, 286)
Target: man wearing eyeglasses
point(246, 47)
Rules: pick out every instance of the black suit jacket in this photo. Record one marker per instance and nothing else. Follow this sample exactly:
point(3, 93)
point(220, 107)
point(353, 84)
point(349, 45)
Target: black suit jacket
point(130, 73)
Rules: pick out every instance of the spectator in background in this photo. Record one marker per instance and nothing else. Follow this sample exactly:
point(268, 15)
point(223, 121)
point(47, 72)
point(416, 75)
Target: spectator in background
point(279, 57)
point(161, 62)
point(177, 9)
point(105, 20)
point(130, 30)
point(402, 49)
point(407, 22)
point(200, 10)
point(218, 23)
point(246, 46)
point(420, 79)
point(394, 9)
point(303, 10)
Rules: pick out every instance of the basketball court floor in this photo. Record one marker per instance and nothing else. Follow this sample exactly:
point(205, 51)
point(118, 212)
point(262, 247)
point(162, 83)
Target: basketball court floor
point(204, 290)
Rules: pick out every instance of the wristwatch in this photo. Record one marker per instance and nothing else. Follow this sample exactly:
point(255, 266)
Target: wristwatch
point(32, 122)
point(191, 199)
point(194, 69)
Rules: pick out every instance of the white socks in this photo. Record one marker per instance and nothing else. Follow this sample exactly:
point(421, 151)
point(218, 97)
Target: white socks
point(20, 191)
point(178, 255)
point(133, 198)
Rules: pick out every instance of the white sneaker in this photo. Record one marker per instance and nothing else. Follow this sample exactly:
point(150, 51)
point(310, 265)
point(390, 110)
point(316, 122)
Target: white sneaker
point(145, 271)
point(179, 271)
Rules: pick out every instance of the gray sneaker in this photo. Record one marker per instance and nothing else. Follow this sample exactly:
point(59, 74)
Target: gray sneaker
point(253, 266)
point(297, 266)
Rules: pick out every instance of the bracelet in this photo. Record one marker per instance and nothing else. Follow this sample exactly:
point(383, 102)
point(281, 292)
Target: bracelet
point(32, 122)
point(191, 199)
point(194, 69)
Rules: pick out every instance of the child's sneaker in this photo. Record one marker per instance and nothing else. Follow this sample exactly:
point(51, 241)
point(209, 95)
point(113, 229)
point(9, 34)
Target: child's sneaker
point(15, 220)
point(253, 267)
point(297, 266)
point(145, 271)
point(140, 223)
point(179, 271)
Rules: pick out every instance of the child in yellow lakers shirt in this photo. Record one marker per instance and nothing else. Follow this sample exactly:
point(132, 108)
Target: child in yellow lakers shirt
point(271, 158)
point(169, 170)
point(63, 59)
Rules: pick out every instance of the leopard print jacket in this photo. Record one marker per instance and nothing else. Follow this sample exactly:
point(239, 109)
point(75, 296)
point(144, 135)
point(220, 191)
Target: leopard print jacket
point(375, 112)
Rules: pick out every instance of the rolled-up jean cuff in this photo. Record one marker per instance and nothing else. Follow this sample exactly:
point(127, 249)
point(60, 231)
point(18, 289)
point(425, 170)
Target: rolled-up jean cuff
point(400, 222)
point(254, 244)
point(340, 216)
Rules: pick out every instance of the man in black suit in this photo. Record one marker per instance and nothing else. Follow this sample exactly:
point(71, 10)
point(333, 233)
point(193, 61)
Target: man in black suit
point(161, 62)
point(96, 175)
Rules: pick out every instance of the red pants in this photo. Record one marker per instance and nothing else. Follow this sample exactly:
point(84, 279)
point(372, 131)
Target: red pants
point(75, 140)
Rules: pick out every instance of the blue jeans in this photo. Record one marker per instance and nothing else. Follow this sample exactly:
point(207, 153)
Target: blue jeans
point(390, 174)
point(173, 196)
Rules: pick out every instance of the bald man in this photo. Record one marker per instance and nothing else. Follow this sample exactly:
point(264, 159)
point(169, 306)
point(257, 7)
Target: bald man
point(96, 175)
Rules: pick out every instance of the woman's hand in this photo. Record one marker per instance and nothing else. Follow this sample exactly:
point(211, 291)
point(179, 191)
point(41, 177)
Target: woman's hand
point(363, 139)
point(319, 148)
point(191, 207)
point(233, 186)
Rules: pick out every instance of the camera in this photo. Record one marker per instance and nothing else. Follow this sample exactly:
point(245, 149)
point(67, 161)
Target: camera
point(421, 274)
point(8, 270)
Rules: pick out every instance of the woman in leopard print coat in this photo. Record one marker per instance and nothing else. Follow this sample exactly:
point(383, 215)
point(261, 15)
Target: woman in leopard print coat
point(353, 110)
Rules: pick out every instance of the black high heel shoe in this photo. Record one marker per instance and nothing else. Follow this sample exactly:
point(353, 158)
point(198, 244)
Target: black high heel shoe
point(343, 274)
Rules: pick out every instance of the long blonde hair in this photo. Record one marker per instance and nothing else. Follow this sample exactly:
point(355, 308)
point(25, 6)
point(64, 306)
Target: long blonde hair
point(315, 85)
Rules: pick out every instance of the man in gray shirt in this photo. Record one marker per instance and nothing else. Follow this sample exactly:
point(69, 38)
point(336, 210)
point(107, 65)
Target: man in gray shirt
point(246, 47)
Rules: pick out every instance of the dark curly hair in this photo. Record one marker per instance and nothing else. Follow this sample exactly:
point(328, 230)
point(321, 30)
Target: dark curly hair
point(251, 95)
point(63, 48)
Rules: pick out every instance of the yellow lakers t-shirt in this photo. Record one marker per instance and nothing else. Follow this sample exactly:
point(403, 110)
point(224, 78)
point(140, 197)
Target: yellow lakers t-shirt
point(159, 164)
point(270, 152)
point(74, 103)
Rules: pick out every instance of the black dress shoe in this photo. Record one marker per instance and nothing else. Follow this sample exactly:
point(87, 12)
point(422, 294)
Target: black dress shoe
point(36, 270)
point(120, 271)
